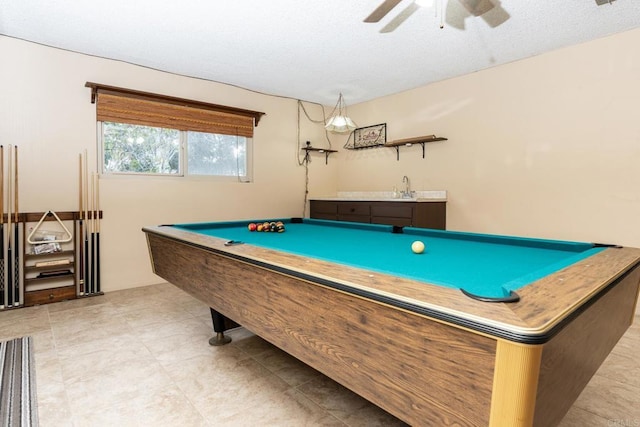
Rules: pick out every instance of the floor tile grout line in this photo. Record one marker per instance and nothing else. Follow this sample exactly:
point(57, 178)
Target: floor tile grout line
point(182, 391)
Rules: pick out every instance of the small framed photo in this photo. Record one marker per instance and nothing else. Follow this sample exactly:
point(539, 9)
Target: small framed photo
point(370, 136)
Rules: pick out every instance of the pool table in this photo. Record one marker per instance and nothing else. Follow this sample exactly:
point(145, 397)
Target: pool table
point(477, 330)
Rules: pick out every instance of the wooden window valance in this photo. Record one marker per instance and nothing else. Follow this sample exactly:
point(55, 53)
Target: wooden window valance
point(120, 105)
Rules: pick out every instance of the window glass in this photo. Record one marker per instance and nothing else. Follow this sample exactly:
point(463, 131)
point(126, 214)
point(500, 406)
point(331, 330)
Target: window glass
point(137, 149)
point(140, 149)
point(216, 154)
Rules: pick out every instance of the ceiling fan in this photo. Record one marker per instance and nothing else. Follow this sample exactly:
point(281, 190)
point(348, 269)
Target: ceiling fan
point(457, 11)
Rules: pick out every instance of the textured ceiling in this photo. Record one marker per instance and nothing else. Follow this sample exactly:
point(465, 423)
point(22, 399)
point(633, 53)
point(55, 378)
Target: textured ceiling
point(311, 50)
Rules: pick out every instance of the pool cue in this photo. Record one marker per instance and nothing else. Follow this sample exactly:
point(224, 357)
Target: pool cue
point(80, 290)
point(85, 207)
point(93, 234)
point(3, 287)
point(9, 264)
point(16, 225)
point(97, 191)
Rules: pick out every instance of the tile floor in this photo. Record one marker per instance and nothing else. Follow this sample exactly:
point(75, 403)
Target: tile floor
point(141, 357)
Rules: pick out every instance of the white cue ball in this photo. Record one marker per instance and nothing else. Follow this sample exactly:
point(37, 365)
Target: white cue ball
point(417, 247)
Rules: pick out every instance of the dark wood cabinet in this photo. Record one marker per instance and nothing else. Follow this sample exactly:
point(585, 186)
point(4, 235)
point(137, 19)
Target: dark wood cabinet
point(321, 209)
point(354, 212)
point(406, 214)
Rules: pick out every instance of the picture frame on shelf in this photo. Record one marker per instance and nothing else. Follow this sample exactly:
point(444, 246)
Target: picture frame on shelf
point(370, 136)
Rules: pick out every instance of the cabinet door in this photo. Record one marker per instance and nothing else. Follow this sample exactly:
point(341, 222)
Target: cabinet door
point(392, 213)
point(392, 209)
point(431, 215)
point(320, 209)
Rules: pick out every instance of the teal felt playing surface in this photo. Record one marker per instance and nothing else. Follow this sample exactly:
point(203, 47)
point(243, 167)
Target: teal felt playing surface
point(482, 264)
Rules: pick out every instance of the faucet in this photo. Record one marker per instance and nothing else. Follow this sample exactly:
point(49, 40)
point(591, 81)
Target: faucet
point(407, 193)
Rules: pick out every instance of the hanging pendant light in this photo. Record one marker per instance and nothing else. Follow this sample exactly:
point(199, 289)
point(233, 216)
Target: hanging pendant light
point(339, 121)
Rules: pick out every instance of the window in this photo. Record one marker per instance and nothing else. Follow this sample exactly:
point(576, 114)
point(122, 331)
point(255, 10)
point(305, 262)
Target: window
point(137, 149)
point(142, 133)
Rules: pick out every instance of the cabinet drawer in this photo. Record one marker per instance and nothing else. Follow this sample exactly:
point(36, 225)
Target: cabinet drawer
point(394, 210)
point(46, 296)
point(353, 208)
point(322, 207)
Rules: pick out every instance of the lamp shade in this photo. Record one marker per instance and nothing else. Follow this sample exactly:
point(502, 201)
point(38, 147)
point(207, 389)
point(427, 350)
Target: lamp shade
point(339, 121)
point(340, 124)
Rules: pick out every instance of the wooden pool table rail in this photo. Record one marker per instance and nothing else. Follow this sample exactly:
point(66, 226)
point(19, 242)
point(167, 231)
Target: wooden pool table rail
point(534, 319)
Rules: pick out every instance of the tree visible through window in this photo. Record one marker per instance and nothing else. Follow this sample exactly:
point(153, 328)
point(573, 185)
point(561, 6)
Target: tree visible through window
point(216, 154)
point(140, 149)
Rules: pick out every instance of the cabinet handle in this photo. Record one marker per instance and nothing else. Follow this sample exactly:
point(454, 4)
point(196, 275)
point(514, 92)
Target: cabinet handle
point(51, 296)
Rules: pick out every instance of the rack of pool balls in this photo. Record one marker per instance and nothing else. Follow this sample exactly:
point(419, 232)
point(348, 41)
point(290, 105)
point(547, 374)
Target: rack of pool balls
point(276, 227)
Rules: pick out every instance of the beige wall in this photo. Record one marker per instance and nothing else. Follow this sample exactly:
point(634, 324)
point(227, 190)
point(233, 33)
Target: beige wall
point(45, 110)
point(546, 147)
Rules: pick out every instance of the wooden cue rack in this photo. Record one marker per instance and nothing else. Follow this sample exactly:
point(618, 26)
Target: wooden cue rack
point(52, 276)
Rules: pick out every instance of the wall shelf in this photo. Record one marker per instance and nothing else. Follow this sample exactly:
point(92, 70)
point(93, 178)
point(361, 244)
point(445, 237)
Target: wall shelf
point(326, 152)
point(408, 142)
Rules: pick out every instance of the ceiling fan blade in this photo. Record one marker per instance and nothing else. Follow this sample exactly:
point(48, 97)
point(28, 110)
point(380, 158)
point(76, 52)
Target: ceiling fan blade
point(400, 18)
point(496, 17)
point(455, 15)
point(382, 10)
point(477, 7)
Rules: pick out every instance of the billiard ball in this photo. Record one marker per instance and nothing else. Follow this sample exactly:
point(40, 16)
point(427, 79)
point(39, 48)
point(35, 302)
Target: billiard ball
point(252, 227)
point(417, 247)
point(259, 227)
point(280, 228)
point(266, 226)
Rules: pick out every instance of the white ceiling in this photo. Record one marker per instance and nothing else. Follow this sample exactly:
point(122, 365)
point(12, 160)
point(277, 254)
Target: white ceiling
point(310, 49)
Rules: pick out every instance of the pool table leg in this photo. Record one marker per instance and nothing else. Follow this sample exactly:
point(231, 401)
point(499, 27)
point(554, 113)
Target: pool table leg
point(515, 384)
point(218, 327)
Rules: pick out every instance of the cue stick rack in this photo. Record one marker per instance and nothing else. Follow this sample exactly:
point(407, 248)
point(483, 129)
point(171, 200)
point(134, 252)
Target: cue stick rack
point(51, 266)
point(42, 261)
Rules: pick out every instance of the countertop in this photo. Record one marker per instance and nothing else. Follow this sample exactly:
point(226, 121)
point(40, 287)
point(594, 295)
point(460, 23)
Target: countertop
point(385, 196)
